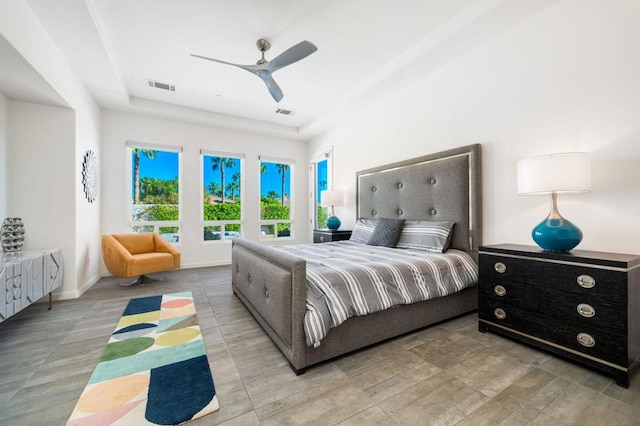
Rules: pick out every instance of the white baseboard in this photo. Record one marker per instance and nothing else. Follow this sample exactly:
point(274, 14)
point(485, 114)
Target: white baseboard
point(66, 295)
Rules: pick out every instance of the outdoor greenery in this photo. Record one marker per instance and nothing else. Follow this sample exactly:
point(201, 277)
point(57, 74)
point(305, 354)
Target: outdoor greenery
point(159, 198)
point(322, 216)
point(272, 209)
point(158, 191)
point(160, 212)
point(221, 163)
point(150, 154)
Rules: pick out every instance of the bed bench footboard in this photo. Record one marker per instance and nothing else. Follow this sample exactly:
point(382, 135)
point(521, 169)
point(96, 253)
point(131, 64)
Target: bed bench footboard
point(272, 285)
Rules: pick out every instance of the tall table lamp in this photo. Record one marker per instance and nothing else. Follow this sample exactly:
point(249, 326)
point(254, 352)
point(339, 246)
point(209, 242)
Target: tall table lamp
point(565, 173)
point(332, 199)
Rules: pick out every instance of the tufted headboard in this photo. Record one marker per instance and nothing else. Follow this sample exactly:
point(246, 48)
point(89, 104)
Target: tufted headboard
point(442, 186)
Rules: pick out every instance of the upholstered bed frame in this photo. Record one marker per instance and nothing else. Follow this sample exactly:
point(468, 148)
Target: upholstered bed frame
point(272, 283)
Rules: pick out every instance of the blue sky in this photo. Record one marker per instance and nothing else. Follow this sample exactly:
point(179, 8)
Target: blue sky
point(323, 180)
point(165, 166)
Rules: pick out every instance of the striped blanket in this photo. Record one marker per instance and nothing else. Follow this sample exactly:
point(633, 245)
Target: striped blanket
point(346, 279)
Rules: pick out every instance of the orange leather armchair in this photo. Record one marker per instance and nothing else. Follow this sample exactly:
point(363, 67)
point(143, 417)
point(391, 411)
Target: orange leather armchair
point(138, 254)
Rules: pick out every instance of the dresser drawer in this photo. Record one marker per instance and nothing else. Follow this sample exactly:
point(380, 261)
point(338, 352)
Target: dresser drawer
point(585, 310)
point(606, 346)
point(326, 235)
point(577, 280)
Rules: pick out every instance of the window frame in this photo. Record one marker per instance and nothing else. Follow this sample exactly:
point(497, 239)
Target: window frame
point(156, 224)
point(275, 222)
point(325, 154)
point(221, 223)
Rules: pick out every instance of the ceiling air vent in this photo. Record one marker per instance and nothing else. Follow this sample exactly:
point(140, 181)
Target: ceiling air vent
point(163, 86)
point(284, 111)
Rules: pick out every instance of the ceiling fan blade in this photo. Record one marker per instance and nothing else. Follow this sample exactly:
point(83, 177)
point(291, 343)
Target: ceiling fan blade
point(273, 87)
point(301, 50)
point(250, 68)
point(291, 55)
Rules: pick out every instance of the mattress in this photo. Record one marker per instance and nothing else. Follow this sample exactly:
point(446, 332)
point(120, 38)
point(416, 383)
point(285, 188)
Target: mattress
point(347, 279)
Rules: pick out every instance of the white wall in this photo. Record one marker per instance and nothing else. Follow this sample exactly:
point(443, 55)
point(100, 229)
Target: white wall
point(3, 156)
point(41, 177)
point(565, 80)
point(88, 257)
point(118, 128)
point(75, 131)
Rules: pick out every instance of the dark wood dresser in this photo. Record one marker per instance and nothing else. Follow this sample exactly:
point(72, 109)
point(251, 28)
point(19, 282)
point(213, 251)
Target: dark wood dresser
point(328, 235)
point(583, 305)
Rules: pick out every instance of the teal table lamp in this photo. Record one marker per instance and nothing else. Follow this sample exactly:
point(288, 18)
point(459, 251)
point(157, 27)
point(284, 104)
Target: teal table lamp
point(332, 199)
point(565, 173)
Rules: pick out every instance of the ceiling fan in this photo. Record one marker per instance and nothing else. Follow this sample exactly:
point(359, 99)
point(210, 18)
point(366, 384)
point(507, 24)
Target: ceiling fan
point(264, 68)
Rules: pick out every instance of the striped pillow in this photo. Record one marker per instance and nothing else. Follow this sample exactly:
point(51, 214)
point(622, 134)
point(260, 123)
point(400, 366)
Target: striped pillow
point(363, 230)
point(425, 235)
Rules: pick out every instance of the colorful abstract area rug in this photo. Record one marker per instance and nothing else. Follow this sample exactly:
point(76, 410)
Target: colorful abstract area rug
point(154, 369)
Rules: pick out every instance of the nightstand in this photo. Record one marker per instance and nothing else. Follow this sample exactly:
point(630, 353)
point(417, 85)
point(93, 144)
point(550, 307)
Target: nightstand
point(582, 305)
point(328, 235)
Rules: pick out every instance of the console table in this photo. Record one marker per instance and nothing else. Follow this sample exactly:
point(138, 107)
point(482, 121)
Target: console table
point(27, 276)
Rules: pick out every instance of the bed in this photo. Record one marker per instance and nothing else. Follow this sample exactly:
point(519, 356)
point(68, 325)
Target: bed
point(272, 282)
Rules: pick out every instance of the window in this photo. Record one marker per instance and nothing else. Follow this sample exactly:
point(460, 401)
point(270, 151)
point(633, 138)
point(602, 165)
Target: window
point(321, 184)
point(154, 201)
point(221, 196)
point(319, 176)
point(276, 215)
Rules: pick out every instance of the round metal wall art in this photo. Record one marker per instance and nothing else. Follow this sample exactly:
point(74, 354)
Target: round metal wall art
point(90, 176)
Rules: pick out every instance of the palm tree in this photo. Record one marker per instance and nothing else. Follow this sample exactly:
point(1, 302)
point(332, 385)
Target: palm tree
point(151, 155)
point(282, 170)
point(221, 163)
point(215, 189)
point(231, 189)
point(273, 194)
point(263, 169)
point(234, 185)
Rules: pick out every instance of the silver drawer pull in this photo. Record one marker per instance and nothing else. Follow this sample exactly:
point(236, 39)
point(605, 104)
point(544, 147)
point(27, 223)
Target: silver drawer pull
point(586, 340)
point(500, 313)
point(499, 290)
point(586, 281)
point(500, 267)
point(321, 238)
point(586, 310)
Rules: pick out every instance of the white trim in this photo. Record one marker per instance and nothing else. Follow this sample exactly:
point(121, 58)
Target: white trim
point(318, 157)
point(221, 154)
point(221, 223)
point(266, 159)
point(322, 154)
point(154, 146)
point(129, 182)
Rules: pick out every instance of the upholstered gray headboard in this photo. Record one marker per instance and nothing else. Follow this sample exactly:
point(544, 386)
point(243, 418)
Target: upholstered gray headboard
point(442, 186)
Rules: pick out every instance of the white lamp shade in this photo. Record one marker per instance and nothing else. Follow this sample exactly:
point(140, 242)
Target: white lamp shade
point(565, 173)
point(331, 198)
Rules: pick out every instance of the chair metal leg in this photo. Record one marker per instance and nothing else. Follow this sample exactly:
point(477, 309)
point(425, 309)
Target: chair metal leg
point(140, 280)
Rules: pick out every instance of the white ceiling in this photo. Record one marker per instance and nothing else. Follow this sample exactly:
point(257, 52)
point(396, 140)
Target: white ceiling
point(366, 50)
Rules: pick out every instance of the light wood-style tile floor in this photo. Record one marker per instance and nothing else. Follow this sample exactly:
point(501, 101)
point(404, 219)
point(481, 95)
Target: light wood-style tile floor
point(448, 374)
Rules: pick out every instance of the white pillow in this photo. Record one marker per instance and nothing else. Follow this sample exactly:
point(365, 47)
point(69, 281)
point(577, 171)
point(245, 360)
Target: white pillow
point(426, 235)
point(363, 230)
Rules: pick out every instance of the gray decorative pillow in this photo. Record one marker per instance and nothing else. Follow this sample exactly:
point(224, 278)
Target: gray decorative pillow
point(386, 232)
point(426, 235)
point(363, 230)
